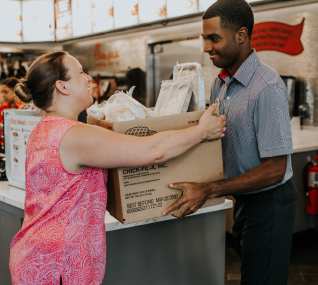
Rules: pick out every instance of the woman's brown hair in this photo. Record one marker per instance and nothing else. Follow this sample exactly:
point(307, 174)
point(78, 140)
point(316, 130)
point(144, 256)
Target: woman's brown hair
point(39, 82)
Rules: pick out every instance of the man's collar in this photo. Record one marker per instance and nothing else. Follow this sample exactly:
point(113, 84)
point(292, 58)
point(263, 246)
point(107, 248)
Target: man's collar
point(245, 72)
point(225, 76)
point(224, 73)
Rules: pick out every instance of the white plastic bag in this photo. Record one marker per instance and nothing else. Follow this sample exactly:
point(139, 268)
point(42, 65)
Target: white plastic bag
point(122, 107)
point(194, 72)
point(174, 97)
point(96, 111)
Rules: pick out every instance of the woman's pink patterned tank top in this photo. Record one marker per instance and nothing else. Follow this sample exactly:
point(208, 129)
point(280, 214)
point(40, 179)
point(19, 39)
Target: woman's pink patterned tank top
point(63, 233)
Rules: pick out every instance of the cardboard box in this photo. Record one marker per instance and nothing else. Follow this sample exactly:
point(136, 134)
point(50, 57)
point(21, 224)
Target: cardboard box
point(141, 193)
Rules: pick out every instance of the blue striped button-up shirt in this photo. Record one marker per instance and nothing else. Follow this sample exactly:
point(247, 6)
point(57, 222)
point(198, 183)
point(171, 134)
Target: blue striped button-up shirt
point(258, 125)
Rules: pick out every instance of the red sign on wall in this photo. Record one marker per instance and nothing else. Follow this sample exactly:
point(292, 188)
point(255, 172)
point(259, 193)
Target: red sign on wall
point(278, 37)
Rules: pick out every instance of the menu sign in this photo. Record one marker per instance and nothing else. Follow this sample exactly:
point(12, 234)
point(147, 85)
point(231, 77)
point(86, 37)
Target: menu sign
point(20, 130)
point(10, 21)
point(63, 19)
point(38, 20)
point(126, 13)
point(181, 7)
point(103, 15)
point(150, 11)
point(82, 17)
point(105, 58)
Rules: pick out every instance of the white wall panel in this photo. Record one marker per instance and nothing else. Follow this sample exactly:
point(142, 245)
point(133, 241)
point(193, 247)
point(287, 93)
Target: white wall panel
point(126, 13)
point(10, 21)
point(38, 20)
point(63, 19)
point(103, 15)
point(82, 17)
point(150, 11)
point(181, 7)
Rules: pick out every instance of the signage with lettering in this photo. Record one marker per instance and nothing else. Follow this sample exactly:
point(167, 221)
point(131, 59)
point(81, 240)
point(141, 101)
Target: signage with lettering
point(105, 58)
point(275, 36)
point(20, 130)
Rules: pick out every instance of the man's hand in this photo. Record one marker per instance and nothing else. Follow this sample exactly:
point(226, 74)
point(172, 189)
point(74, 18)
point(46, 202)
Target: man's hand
point(193, 197)
point(270, 172)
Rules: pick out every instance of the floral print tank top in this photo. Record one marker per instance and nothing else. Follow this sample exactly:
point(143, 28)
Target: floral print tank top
point(63, 233)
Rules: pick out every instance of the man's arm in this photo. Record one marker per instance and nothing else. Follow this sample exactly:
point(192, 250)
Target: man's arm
point(270, 172)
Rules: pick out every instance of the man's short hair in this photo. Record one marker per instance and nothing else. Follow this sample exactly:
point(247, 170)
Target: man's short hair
point(234, 14)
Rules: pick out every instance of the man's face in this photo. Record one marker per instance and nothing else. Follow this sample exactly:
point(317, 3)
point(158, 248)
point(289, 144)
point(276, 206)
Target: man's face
point(220, 43)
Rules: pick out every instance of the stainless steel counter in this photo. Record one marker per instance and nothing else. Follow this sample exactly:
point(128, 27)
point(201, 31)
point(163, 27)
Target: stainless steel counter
point(159, 251)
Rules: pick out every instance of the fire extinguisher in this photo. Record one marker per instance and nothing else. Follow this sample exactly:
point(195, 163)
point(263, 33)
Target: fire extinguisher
point(311, 186)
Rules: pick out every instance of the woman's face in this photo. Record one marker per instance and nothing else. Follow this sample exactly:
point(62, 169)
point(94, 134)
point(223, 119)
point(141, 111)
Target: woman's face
point(6, 94)
point(79, 84)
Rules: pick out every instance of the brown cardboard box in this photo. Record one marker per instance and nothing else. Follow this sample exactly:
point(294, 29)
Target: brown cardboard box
point(142, 193)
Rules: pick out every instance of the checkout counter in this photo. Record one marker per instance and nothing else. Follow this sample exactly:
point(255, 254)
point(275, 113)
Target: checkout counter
point(160, 251)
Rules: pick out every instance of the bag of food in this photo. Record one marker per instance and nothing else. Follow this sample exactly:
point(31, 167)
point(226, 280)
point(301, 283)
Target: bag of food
point(194, 72)
point(174, 97)
point(96, 111)
point(122, 107)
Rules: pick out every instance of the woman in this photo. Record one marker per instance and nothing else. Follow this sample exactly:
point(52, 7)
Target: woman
point(8, 99)
point(63, 233)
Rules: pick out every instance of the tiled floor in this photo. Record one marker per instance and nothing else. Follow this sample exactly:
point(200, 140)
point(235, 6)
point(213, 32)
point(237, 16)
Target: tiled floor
point(303, 269)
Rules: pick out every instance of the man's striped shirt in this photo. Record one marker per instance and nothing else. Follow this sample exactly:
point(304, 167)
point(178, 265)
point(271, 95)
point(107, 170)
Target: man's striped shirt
point(258, 124)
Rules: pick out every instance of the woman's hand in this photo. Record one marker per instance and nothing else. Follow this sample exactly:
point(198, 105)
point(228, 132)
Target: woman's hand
point(212, 127)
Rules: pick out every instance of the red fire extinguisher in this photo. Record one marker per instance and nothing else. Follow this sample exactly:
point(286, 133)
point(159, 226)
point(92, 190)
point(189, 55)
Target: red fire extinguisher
point(311, 186)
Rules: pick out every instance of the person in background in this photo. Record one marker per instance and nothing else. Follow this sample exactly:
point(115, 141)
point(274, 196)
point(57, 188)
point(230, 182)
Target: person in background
point(62, 238)
point(8, 99)
point(110, 90)
point(257, 147)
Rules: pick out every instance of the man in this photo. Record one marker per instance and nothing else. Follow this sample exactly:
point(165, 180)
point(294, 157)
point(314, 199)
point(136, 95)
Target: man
point(256, 147)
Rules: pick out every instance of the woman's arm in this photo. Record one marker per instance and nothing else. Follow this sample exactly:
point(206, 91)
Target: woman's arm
point(84, 145)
